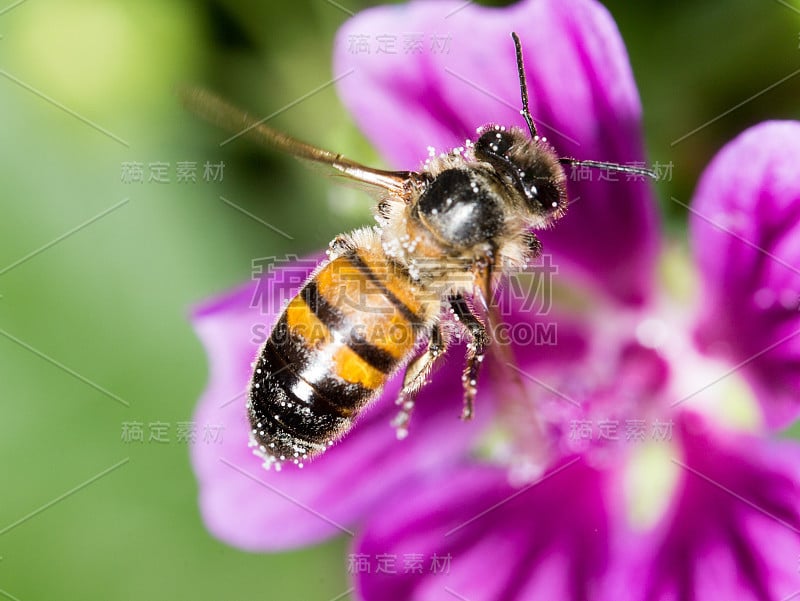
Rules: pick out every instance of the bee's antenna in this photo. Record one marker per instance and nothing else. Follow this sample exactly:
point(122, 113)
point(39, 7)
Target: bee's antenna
point(643, 171)
point(523, 86)
point(523, 89)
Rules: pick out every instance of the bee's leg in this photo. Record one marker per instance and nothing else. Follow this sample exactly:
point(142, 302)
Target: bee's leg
point(534, 246)
point(341, 244)
point(476, 350)
point(416, 374)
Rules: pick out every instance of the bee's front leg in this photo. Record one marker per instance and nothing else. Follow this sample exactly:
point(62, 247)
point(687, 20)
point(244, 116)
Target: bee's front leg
point(417, 372)
point(476, 350)
point(340, 245)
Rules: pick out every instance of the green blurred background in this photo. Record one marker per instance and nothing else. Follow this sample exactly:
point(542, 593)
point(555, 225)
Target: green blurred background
point(98, 319)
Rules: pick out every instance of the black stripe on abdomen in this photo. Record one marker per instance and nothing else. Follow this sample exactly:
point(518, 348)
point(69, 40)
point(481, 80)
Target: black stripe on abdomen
point(365, 269)
point(290, 414)
point(336, 322)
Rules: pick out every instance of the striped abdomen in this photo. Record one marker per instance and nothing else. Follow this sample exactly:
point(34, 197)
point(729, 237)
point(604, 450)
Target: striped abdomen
point(330, 353)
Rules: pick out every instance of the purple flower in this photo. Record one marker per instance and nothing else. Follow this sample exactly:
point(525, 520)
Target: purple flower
point(635, 463)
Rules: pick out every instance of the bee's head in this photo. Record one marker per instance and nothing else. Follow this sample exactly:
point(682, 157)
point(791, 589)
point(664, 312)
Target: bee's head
point(530, 166)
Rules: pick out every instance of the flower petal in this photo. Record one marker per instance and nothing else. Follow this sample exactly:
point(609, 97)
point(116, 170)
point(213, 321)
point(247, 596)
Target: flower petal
point(464, 75)
point(745, 229)
point(256, 509)
point(734, 528)
point(547, 540)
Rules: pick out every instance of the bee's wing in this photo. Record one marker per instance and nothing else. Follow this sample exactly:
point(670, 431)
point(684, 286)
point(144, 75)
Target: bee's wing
point(215, 110)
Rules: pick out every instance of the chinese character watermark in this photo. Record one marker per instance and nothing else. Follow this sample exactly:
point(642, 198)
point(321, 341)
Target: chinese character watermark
point(398, 563)
point(629, 430)
point(404, 43)
point(161, 432)
point(163, 172)
point(586, 173)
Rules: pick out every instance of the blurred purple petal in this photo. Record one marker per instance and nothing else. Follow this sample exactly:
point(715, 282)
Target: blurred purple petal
point(745, 229)
point(249, 507)
point(583, 97)
point(547, 540)
point(734, 530)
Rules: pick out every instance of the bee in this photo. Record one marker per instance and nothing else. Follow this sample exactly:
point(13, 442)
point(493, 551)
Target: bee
point(444, 235)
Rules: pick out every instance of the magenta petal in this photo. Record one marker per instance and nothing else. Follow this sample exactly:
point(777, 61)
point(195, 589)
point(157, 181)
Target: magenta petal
point(544, 541)
point(252, 508)
point(582, 95)
point(745, 230)
point(734, 531)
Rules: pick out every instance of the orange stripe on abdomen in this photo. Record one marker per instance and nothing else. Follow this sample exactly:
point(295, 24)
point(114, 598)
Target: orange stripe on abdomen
point(335, 333)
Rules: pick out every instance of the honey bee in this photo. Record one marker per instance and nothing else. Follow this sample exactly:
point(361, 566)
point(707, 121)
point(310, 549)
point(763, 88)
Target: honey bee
point(445, 234)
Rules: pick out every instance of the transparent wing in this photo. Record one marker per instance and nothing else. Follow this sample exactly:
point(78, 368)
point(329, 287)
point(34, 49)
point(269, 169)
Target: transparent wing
point(217, 111)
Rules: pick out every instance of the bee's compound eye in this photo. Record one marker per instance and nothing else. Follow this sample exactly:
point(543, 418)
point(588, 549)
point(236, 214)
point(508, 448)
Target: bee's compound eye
point(549, 207)
point(547, 200)
point(527, 185)
point(494, 141)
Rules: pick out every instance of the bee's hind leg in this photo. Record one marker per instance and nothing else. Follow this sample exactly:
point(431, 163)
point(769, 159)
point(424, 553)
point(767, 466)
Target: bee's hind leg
point(416, 374)
point(476, 350)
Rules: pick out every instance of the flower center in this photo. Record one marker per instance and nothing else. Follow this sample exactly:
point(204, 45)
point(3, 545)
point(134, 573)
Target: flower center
point(617, 400)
